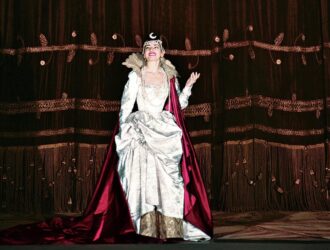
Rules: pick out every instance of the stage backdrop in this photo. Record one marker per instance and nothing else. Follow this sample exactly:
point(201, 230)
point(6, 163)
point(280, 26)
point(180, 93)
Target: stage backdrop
point(258, 117)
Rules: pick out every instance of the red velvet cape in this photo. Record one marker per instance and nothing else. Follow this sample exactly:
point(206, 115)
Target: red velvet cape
point(107, 217)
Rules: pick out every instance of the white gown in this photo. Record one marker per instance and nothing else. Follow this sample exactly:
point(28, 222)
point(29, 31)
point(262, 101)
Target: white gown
point(149, 149)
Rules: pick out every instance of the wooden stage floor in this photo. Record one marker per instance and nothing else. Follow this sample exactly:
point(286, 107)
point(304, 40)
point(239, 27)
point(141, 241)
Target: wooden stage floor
point(250, 230)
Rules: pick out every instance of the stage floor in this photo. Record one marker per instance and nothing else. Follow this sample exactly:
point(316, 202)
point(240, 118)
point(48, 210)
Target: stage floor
point(272, 225)
point(249, 230)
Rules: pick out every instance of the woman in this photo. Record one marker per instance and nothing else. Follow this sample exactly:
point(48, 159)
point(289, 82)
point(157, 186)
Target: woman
point(149, 146)
point(150, 188)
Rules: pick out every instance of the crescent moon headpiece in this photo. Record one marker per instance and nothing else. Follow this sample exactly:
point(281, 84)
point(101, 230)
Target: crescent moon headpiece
point(152, 37)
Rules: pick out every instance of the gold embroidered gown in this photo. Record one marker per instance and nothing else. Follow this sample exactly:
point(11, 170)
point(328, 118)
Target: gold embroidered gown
point(149, 149)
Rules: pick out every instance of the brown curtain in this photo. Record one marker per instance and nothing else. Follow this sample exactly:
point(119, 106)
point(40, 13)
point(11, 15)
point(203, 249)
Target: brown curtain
point(258, 117)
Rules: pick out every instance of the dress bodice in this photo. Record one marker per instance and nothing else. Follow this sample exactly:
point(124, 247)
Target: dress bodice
point(151, 97)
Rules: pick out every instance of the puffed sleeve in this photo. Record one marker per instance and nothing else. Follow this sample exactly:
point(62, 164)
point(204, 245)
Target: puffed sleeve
point(129, 96)
point(183, 95)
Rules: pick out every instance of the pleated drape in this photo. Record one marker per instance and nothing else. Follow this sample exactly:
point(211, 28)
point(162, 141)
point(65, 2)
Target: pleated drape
point(258, 117)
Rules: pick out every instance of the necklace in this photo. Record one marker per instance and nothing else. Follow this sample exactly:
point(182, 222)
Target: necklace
point(154, 77)
point(154, 93)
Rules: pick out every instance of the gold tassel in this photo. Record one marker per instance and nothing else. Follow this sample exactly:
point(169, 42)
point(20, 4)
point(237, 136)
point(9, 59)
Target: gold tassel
point(203, 154)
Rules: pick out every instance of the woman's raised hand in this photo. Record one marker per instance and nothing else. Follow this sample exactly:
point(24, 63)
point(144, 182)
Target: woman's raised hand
point(192, 79)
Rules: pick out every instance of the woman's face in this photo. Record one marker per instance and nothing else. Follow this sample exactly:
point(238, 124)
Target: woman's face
point(152, 51)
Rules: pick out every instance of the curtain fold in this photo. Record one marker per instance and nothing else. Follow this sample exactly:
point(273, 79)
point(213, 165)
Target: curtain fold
point(258, 116)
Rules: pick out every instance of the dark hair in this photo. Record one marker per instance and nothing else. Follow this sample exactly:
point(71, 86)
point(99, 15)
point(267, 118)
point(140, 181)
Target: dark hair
point(150, 38)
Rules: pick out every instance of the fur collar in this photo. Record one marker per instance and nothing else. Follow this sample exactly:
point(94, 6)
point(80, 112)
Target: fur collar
point(135, 61)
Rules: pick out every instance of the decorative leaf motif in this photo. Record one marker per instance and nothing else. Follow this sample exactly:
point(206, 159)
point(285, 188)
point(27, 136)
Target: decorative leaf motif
point(278, 40)
point(252, 53)
point(225, 35)
point(318, 113)
point(303, 37)
point(93, 39)
point(187, 43)
point(270, 111)
point(110, 57)
point(192, 66)
point(70, 56)
point(280, 190)
point(138, 40)
point(43, 40)
point(88, 172)
point(303, 59)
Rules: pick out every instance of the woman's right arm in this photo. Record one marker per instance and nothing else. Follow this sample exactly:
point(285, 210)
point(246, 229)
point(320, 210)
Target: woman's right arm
point(129, 96)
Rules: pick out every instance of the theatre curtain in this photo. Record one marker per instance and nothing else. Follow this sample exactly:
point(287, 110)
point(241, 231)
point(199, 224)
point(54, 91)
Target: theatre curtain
point(258, 116)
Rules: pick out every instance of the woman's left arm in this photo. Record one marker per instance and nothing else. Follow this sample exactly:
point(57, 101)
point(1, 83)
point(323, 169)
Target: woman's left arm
point(186, 92)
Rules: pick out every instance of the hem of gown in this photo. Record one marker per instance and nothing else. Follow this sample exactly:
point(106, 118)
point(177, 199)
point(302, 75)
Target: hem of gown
point(154, 224)
point(158, 225)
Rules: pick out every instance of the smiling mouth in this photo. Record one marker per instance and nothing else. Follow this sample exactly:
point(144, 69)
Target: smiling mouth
point(152, 54)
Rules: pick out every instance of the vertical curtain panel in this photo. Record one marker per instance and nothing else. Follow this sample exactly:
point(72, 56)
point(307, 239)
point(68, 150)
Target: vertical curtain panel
point(258, 116)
